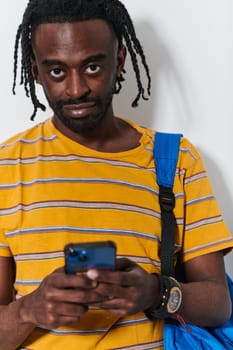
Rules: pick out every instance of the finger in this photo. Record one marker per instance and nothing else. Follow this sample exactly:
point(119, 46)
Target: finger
point(118, 306)
point(67, 309)
point(74, 295)
point(59, 314)
point(63, 280)
point(58, 321)
point(122, 278)
point(110, 290)
point(122, 264)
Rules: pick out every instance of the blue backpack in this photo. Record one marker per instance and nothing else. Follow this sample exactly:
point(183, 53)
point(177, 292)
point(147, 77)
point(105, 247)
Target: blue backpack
point(166, 151)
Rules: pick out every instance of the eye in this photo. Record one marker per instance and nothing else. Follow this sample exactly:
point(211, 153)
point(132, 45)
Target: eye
point(57, 72)
point(93, 69)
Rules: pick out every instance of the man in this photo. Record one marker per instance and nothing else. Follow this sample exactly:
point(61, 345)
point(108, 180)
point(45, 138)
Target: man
point(86, 175)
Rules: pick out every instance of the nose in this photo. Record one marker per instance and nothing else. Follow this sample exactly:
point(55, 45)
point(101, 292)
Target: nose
point(76, 86)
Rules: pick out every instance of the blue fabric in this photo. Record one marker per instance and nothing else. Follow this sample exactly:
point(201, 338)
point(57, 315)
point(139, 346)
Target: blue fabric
point(166, 151)
point(178, 338)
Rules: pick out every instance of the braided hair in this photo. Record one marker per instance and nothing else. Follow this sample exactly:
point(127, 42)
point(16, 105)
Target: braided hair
point(60, 11)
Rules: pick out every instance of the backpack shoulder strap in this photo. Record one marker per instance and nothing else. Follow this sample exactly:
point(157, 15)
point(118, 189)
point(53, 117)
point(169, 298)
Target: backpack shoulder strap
point(166, 152)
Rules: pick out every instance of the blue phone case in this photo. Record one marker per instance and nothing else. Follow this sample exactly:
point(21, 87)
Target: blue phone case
point(80, 257)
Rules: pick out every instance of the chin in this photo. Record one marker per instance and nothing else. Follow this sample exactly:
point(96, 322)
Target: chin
point(84, 125)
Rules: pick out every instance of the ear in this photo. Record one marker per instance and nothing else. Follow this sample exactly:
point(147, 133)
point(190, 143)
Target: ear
point(35, 72)
point(121, 57)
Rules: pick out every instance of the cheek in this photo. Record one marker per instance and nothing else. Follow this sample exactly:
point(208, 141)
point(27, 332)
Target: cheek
point(53, 92)
point(105, 85)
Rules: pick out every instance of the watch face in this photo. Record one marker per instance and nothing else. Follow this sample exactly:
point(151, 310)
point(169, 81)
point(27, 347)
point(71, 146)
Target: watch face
point(174, 300)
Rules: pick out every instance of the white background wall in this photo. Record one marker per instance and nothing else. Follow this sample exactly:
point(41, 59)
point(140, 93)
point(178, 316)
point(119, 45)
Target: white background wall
point(189, 47)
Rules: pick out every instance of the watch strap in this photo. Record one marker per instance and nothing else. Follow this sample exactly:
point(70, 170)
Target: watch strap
point(161, 309)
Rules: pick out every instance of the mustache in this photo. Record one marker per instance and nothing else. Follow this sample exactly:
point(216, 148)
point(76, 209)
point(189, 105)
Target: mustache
point(70, 101)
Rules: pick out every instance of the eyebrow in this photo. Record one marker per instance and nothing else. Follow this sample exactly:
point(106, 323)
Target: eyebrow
point(54, 62)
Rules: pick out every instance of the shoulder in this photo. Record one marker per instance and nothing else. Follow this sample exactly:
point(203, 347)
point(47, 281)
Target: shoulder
point(188, 149)
point(141, 129)
point(189, 156)
point(27, 138)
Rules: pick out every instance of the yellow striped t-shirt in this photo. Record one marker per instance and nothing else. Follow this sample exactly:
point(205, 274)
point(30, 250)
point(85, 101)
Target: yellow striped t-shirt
point(54, 191)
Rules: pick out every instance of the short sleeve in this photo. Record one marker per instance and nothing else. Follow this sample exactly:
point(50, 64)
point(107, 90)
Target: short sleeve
point(204, 230)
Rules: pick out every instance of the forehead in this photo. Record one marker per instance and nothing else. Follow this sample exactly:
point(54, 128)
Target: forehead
point(84, 37)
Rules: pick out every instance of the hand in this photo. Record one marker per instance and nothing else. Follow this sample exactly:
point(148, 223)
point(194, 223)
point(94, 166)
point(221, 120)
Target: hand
point(128, 290)
point(60, 300)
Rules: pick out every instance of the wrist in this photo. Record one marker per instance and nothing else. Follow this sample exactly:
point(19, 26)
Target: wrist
point(24, 314)
point(156, 288)
point(169, 300)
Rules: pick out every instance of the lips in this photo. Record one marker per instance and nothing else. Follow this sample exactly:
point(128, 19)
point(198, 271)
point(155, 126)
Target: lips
point(79, 110)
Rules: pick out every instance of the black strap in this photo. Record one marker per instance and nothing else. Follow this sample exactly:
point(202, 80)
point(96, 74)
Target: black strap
point(166, 152)
point(168, 222)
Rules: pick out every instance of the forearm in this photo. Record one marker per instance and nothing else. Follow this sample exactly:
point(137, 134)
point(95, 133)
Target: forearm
point(13, 329)
point(205, 303)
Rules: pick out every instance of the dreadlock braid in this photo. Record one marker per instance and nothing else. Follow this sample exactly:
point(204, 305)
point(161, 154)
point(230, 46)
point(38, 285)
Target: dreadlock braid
point(125, 26)
point(27, 78)
point(60, 11)
point(16, 56)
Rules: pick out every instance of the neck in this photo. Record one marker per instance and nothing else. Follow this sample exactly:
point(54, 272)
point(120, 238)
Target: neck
point(112, 135)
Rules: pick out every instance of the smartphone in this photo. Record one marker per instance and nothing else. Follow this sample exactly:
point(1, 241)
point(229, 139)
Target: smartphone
point(80, 257)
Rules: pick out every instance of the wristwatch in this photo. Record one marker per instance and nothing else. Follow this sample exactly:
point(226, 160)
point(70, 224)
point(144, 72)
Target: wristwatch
point(175, 297)
point(170, 299)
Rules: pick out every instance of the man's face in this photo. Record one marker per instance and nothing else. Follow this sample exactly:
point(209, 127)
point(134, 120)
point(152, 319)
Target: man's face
point(77, 65)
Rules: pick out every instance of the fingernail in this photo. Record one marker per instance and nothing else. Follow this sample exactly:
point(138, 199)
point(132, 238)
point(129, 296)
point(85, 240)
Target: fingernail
point(92, 274)
point(94, 284)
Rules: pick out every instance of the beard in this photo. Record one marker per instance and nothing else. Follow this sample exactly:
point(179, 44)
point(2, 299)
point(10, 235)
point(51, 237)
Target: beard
point(87, 123)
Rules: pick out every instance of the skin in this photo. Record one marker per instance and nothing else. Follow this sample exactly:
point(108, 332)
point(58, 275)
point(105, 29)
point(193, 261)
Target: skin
point(61, 299)
point(87, 77)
